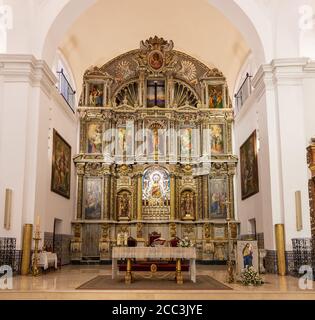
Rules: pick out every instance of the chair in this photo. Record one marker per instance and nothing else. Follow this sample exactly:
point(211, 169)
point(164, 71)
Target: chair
point(132, 242)
point(153, 236)
point(174, 242)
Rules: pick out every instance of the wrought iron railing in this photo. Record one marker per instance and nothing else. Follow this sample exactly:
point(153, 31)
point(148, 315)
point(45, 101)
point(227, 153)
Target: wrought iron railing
point(66, 90)
point(244, 92)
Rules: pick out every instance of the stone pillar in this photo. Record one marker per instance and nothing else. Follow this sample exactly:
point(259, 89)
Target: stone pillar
point(173, 197)
point(139, 198)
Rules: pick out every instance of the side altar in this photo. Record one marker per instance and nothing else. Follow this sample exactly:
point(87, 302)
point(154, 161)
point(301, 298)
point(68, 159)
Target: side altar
point(155, 154)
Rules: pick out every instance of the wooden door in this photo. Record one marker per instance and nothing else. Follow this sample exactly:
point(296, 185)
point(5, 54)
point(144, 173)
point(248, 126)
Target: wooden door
point(91, 238)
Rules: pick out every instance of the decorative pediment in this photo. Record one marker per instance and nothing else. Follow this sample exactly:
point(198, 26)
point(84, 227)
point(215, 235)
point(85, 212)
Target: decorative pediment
point(95, 73)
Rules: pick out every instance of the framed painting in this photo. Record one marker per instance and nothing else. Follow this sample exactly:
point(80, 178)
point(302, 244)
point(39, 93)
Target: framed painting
point(93, 198)
point(247, 255)
point(94, 137)
point(216, 96)
point(156, 93)
point(217, 139)
point(96, 95)
point(218, 198)
point(186, 142)
point(61, 166)
point(249, 167)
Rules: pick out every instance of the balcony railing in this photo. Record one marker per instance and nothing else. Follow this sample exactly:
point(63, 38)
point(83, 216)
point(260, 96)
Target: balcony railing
point(66, 90)
point(244, 92)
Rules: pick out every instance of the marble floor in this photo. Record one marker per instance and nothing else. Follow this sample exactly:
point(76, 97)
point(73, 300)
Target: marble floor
point(62, 284)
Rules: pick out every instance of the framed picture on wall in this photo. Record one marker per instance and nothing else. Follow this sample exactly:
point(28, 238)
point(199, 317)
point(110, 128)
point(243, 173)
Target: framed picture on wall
point(61, 166)
point(249, 167)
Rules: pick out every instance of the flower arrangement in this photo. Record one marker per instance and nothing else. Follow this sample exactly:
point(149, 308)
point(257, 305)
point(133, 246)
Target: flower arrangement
point(185, 243)
point(250, 277)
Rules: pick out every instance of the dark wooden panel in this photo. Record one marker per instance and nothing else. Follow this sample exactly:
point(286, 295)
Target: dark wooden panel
point(91, 237)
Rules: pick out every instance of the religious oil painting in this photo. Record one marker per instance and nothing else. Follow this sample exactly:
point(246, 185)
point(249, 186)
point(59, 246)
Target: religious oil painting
point(218, 198)
point(156, 141)
point(125, 141)
point(94, 138)
point(156, 187)
point(156, 93)
point(93, 198)
point(249, 167)
point(186, 142)
point(61, 166)
point(156, 60)
point(96, 95)
point(216, 97)
point(217, 139)
point(247, 255)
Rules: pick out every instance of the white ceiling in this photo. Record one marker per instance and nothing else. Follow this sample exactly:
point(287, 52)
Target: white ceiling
point(113, 27)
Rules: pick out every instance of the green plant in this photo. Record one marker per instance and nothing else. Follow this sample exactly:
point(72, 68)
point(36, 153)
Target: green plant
point(250, 277)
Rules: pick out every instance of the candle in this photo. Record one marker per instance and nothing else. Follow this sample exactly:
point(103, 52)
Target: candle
point(38, 223)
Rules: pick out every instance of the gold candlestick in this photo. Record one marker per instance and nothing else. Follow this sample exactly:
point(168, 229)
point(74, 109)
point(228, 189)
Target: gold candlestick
point(37, 238)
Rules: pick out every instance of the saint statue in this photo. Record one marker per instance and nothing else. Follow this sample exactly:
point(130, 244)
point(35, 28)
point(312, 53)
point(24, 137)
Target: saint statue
point(248, 255)
point(124, 206)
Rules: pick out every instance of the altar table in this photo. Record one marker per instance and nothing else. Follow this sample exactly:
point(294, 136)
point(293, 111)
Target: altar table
point(177, 253)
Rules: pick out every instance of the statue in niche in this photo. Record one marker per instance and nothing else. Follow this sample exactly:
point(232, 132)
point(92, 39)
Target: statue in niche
point(124, 206)
point(187, 205)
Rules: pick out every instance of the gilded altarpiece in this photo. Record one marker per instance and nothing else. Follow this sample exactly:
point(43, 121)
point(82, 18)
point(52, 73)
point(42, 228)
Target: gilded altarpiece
point(155, 152)
point(311, 184)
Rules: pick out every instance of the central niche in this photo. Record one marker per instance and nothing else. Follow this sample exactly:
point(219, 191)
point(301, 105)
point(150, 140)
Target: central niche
point(156, 193)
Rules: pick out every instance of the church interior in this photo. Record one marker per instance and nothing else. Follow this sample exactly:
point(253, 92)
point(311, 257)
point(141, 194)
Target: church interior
point(157, 150)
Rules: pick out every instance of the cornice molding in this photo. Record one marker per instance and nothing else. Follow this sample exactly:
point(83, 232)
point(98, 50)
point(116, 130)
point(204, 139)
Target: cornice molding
point(283, 72)
point(26, 68)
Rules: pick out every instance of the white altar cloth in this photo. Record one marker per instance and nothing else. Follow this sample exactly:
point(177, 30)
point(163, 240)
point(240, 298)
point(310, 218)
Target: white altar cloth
point(47, 259)
point(154, 253)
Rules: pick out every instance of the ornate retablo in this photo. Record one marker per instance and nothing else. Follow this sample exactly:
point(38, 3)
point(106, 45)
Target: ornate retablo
point(155, 151)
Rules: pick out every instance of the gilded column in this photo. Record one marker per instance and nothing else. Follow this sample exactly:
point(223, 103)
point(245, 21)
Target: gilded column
point(280, 245)
point(106, 197)
point(27, 246)
point(139, 198)
point(112, 199)
point(173, 197)
point(80, 173)
point(205, 198)
point(87, 94)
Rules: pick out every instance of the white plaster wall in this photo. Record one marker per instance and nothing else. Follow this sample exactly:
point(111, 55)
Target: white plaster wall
point(253, 117)
point(55, 114)
point(308, 95)
point(29, 110)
